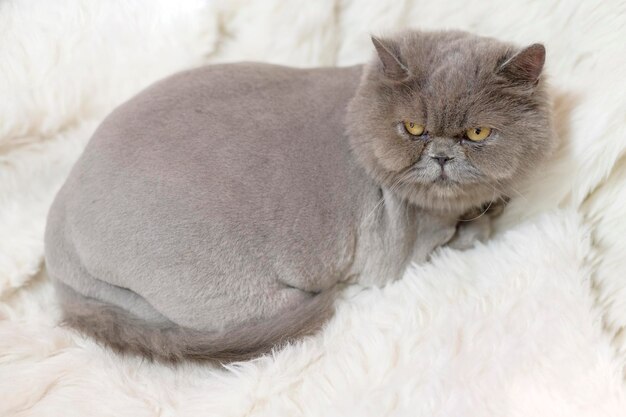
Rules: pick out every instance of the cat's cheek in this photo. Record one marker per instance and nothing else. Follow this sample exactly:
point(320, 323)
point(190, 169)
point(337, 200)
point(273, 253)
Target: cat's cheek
point(495, 161)
point(397, 156)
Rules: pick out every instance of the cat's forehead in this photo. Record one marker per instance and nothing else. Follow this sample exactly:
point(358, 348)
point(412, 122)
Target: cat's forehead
point(457, 48)
point(452, 59)
point(455, 79)
point(462, 66)
point(454, 97)
point(452, 88)
point(451, 79)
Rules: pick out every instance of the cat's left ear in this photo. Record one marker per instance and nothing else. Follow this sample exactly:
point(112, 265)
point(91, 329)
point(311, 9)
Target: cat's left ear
point(526, 65)
point(389, 56)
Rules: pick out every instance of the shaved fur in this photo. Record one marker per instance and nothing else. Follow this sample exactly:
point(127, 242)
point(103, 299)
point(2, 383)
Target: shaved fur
point(217, 214)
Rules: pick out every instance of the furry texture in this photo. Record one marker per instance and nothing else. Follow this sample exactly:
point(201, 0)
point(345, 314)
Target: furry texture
point(449, 82)
point(227, 199)
point(196, 204)
point(530, 324)
point(127, 333)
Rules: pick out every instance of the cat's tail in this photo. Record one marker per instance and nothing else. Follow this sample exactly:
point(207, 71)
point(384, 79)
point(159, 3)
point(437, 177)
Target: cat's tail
point(126, 333)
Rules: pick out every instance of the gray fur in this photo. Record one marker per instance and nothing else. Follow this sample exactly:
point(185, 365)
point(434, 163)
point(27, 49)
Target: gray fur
point(215, 214)
point(453, 81)
point(164, 340)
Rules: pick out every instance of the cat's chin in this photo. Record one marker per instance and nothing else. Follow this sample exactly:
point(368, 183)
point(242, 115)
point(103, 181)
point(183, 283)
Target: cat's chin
point(446, 195)
point(446, 186)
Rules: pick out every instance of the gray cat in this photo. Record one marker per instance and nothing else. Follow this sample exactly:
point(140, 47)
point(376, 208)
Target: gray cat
point(216, 214)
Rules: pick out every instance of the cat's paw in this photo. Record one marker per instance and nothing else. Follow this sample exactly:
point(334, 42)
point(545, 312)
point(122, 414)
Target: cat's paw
point(470, 232)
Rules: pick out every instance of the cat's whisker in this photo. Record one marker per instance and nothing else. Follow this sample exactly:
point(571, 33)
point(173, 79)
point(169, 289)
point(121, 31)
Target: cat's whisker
point(481, 214)
point(374, 209)
point(522, 196)
point(406, 174)
point(519, 194)
point(502, 193)
point(409, 87)
point(380, 201)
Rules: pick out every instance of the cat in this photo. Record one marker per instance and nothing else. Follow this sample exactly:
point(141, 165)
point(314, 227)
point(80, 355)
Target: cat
point(216, 214)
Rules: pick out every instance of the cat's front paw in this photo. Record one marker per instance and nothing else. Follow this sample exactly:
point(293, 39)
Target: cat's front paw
point(476, 224)
point(470, 232)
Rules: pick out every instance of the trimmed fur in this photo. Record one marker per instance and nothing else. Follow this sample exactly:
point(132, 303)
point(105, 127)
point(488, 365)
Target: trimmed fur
point(516, 318)
point(168, 342)
point(231, 194)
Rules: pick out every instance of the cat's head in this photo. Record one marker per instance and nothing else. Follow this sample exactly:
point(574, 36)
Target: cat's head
point(450, 120)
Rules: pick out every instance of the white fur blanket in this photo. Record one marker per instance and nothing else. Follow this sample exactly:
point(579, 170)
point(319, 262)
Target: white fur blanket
point(530, 324)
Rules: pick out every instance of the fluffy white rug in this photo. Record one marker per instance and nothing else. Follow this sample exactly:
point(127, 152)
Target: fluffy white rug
point(531, 324)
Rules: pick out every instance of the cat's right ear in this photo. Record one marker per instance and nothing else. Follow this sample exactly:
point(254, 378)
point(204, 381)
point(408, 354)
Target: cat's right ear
point(525, 66)
point(392, 65)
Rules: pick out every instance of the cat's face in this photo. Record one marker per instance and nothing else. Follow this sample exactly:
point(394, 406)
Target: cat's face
point(450, 120)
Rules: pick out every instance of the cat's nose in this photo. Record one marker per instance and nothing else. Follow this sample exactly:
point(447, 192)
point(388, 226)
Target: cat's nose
point(442, 159)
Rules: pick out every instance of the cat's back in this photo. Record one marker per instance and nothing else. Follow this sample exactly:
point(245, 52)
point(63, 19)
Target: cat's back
point(227, 113)
point(221, 173)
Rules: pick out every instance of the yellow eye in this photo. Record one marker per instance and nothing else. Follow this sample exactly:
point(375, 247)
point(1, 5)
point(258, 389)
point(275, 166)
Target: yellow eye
point(478, 133)
point(413, 128)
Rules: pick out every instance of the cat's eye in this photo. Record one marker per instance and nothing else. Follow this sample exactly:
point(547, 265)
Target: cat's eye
point(413, 128)
point(477, 134)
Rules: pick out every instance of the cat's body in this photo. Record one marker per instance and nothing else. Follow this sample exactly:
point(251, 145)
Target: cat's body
point(197, 233)
point(214, 214)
